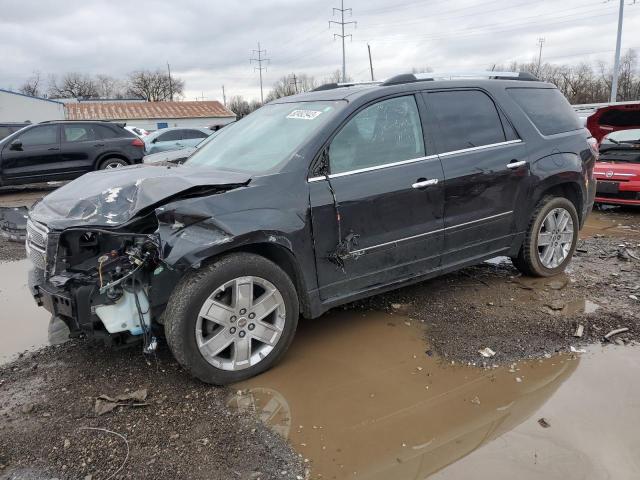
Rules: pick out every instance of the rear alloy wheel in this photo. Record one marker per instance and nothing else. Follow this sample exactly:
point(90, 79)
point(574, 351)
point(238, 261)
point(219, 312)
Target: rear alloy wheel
point(232, 319)
point(550, 239)
point(111, 163)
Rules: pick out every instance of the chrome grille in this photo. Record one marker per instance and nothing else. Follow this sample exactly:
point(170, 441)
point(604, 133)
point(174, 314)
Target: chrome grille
point(36, 244)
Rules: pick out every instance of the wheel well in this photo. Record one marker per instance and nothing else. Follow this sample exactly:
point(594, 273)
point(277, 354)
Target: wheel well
point(110, 155)
point(570, 191)
point(285, 260)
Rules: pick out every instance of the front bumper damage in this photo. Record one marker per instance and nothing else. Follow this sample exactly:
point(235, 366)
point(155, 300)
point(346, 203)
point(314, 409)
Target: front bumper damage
point(98, 282)
point(98, 250)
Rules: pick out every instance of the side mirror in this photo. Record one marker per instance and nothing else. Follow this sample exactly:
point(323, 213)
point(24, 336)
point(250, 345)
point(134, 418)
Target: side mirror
point(16, 144)
point(155, 140)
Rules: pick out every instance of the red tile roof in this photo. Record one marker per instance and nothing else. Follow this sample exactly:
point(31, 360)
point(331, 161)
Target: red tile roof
point(140, 110)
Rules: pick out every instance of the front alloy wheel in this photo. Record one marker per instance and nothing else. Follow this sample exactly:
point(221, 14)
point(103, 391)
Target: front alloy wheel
point(232, 319)
point(240, 323)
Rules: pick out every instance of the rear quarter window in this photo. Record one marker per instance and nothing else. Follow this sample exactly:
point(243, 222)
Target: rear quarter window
point(547, 108)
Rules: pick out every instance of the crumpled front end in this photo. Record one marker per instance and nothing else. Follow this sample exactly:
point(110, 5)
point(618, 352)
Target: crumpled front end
point(98, 251)
point(99, 282)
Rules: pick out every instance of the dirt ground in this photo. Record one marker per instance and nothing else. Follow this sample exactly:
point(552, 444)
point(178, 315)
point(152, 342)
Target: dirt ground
point(186, 429)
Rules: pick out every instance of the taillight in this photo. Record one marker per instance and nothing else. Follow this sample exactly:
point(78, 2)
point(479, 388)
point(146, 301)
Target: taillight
point(136, 142)
point(593, 146)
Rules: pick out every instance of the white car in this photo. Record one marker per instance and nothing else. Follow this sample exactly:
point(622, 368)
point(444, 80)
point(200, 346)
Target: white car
point(140, 132)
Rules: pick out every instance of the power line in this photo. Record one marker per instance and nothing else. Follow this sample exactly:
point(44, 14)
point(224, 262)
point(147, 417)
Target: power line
point(260, 59)
point(342, 23)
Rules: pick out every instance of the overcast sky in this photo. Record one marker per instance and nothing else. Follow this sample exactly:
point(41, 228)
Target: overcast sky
point(209, 43)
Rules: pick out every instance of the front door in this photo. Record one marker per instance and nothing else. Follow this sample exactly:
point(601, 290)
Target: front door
point(38, 154)
point(485, 174)
point(378, 218)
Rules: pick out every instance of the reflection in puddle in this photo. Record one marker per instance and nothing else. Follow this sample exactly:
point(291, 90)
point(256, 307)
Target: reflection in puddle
point(359, 396)
point(22, 323)
point(581, 305)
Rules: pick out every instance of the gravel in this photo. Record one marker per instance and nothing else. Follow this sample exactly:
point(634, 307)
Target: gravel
point(47, 401)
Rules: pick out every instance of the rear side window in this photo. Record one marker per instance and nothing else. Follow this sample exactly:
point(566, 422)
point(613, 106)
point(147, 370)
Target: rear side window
point(170, 136)
point(193, 134)
point(547, 108)
point(467, 119)
point(111, 132)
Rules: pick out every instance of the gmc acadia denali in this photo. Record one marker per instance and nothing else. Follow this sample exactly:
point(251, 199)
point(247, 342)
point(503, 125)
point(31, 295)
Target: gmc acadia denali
point(313, 201)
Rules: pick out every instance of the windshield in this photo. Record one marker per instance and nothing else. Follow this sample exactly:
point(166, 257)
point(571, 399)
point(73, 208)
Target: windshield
point(623, 136)
point(266, 138)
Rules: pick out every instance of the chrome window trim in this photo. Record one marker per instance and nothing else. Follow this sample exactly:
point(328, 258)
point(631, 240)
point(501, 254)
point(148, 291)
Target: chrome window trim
point(362, 251)
point(412, 160)
point(481, 147)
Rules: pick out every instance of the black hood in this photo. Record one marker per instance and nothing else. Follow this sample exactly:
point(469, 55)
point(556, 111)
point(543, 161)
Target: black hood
point(109, 198)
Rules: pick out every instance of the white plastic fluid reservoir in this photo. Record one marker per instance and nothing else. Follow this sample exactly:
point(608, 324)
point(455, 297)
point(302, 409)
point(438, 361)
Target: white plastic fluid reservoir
point(123, 315)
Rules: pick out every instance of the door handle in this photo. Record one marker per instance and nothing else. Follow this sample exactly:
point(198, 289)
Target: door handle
point(516, 164)
point(53, 149)
point(425, 183)
point(98, 144)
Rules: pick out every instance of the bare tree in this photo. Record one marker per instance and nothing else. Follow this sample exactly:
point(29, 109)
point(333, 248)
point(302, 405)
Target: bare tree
point(290, 85)
point(73, 85)
point(155, 86)
point(238, 105)
point(32, 86)
point(110, 87)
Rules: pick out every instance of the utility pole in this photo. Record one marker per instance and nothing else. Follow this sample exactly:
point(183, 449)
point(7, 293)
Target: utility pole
point(616, 62)
point(342, 23)
point(295, 82)
point(370, 63)
point(541, 41)
point(224, 97)
point(170, 83)
point(260, 59)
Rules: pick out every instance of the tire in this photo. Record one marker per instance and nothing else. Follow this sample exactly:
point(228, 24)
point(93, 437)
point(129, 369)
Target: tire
point(109, 163)
point(194, 339)
point(531, 259)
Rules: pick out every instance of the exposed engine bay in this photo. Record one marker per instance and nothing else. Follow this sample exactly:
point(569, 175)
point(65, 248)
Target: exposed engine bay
point(98, 252)
point(111, 271)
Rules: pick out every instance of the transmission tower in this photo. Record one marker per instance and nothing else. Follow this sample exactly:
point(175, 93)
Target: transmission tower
point(342, 35)
point(541, 41)
point(260, 53)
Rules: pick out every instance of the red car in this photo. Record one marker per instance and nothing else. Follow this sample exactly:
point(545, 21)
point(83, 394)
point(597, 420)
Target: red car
point(618, 168)
point(619, 116)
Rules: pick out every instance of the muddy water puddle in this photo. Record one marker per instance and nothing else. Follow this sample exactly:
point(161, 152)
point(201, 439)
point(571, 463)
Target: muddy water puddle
point(23, 325)
point(613, 222)
point(360, 396)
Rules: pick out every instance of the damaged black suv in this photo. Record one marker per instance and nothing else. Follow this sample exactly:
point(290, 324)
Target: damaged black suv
point(310, 202)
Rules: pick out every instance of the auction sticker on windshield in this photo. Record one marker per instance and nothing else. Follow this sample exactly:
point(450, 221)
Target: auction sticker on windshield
point(304, 114)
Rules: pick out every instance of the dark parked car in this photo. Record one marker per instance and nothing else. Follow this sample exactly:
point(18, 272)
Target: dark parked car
point(63, 150)
point(310, 202)
point(7, 129)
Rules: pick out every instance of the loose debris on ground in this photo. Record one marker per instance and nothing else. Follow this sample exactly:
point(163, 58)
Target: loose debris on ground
point(491, 309)
point(172, 426)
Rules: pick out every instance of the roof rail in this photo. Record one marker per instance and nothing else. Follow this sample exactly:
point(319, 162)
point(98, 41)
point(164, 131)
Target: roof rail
point(419, 77)
point(331, 86)
point(76, 120)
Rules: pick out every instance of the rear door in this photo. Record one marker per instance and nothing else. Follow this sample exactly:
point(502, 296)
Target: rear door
point(81, 145)
point(166, 141)
point(485, 167)
point(39, 154)
point(190, 138)
point(385, 224)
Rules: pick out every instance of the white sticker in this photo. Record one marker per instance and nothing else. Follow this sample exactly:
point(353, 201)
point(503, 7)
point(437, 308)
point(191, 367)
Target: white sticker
point(304, 114)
